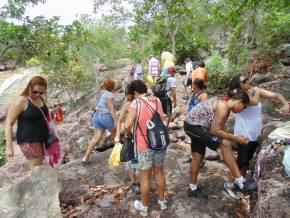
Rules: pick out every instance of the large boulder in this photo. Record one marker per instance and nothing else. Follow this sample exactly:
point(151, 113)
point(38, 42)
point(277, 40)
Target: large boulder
point(32, 196)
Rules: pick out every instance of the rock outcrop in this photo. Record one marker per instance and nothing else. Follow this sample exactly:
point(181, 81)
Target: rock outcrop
point(32, 196)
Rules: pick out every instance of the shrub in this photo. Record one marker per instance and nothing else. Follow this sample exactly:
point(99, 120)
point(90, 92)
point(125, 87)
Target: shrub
point(2, 146)
point(216, 72)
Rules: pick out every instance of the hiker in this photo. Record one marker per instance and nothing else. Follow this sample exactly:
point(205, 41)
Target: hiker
point(187, 82)
point(32, 130)
point(104, 117)
point(205, 124)
point(154, 68)
point(149, 161)
point(138, 72)
point(168, 99)
point(199, 95)
point(248, 123)
point(199, 73)
point(132, 165)
point(167, 60)
point(58, 113)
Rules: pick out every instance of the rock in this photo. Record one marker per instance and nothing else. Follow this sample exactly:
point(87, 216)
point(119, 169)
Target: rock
point(259, 78)
point(32, 196)
point(283, 50)
point(285, 61)
point(281, 132)
point(2, 67)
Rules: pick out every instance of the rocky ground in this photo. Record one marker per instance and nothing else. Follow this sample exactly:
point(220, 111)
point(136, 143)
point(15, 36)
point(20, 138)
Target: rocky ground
point(100, 190)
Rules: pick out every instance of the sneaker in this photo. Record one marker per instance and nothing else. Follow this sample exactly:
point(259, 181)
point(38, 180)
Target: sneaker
point(248, 187)
point(187, 159)
point(85, 161)
point(162, 204)
point(232, 192)
point(196, 193)
point(142, 209)
point(136, 188)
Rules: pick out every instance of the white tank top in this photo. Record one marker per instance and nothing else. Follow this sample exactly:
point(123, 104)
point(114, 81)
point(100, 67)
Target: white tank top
point(249, 122)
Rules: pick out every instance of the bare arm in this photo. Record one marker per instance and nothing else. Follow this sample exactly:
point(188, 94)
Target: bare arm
point(14, 111)
point(111, 107)
point(173, 92)
point(129, 123)
point(203, 97)
point(120, 120)
point(275, 96)
point(218, 123)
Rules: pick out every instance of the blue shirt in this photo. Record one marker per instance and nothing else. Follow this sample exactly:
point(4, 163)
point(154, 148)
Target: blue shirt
point(102, 102)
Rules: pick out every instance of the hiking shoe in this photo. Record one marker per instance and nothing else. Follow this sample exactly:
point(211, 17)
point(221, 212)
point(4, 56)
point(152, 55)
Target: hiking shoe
point(232, 192)
point(196, 193)
point(185, 97)
point(187, 160)
point(85, 161)
point(162, 204)
point(248, 187)
point(142, 209)
point(136, 188)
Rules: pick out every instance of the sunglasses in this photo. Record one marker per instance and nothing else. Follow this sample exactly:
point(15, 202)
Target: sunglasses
point(37, 92)
point(244, 81)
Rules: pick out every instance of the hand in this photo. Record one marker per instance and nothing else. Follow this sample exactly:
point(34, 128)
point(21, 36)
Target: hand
point(117, 139)
point(285, 109)
point(241, 140)
point(9, 151)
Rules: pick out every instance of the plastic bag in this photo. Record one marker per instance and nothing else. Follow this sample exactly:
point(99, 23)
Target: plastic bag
point(127, 151)
point(115, 155)
point(286, 160)
point(149, 80)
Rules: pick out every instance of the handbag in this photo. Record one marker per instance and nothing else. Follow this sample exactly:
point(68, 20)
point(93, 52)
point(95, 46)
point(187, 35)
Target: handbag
point(127, 151)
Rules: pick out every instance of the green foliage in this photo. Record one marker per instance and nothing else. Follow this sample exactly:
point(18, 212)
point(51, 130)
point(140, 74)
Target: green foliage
point(216, 72)
point(2, 146)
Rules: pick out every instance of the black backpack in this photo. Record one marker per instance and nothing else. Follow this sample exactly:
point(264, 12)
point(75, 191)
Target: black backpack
point(157, 134)
point(159, 88)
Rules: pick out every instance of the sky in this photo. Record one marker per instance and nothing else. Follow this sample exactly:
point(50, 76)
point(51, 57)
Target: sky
point(66, 9)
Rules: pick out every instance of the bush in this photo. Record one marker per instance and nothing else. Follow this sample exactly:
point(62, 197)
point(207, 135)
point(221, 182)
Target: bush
point(217, 75)
point(32, 61)
point(2, 147)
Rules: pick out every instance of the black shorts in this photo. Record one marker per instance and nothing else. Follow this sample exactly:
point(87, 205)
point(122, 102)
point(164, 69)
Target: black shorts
point(166, 105)
point(201, 138)
point(246, 153)
point(187, 82)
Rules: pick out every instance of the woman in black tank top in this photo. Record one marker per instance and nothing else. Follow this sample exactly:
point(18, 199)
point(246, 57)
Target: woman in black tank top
point(32, 129)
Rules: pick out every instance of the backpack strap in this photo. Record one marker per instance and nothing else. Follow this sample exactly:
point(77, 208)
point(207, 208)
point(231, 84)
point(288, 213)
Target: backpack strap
point(137, 120)
point(149, 106)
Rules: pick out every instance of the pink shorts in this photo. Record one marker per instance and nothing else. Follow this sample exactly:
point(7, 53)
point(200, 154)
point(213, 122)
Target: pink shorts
point(32, 150)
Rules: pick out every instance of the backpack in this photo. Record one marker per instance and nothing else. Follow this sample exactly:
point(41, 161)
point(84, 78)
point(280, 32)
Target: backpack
point(159, 88)
point(157, 134)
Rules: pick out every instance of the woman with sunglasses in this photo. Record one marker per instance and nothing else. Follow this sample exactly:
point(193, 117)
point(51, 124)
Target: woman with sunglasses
point(248, 123)
point(32, 129)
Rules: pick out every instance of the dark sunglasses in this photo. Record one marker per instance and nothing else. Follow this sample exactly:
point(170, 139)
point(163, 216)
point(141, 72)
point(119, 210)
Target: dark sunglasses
point(37, 92)
point(244, 81)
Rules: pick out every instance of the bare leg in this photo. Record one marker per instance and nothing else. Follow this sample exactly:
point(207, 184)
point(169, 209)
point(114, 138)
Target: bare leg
point(96, 138)
point(160, 182)
point(229, 158)
point(194, 166)
point(145, 180)
point(35, 162)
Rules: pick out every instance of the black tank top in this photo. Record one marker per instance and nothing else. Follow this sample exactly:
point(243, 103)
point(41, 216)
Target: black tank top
point(31, 125)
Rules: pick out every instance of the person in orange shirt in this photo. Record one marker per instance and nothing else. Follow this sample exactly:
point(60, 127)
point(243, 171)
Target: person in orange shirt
point(199, 73)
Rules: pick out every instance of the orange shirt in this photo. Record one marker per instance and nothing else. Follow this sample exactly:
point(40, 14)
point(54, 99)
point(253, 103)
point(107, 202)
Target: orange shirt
point(199, 73)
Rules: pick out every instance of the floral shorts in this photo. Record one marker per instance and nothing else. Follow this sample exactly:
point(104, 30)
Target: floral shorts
point(32, 150)
point(149, 159)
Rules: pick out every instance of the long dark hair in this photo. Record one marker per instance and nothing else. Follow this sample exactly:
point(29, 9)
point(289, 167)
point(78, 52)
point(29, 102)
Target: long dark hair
point(234, 84)
point(199, 83)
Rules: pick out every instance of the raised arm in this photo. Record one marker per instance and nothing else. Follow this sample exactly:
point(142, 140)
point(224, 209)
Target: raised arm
point(120, 120)
point(275, 96)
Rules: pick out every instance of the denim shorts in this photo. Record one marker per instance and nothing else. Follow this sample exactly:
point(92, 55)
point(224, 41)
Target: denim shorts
point(103, 121)
point(149, 159)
